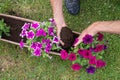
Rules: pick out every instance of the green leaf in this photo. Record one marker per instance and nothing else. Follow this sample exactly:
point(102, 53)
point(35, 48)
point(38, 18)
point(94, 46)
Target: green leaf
point(99, 57)
point(4, 28)
point(44, 54)
point(28, 42)
point(75, 50)
point(84, 62)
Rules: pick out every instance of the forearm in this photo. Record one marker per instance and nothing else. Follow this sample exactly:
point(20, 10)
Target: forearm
point(108, 26)
point(58, 13)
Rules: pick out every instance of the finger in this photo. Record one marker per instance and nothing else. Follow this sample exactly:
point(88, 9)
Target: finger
point(79, 41)
point(62, 43)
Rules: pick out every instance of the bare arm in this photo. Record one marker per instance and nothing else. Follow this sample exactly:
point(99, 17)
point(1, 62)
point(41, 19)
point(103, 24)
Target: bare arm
point(58, 13)
point(101, 26)
point(109, 26)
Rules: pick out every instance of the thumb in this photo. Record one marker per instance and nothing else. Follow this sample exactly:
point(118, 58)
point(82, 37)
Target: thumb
point(78, 42)
point(80, 39)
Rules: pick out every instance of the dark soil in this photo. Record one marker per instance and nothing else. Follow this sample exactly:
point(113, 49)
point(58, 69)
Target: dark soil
point(68, 37)
point(15, 28)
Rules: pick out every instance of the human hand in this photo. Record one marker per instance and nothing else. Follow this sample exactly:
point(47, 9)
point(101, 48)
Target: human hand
point(92, 30)
point(66, 37)
point(58, 35)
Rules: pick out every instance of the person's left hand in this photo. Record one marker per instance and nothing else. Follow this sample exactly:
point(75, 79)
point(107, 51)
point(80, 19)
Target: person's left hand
point(90, 30)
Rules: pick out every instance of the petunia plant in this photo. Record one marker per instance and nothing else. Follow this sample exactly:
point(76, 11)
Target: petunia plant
point(4, 29)
point(89, 53)
point(40, 38)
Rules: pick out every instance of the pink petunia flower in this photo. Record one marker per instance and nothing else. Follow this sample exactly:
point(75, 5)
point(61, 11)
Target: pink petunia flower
point(92, 60)
point(80, 51)
point(100, 37)
point(100, 64)
point(86, 54)
point(64, 54)
point(99, 48)
point(76, 67)
point(72, 57)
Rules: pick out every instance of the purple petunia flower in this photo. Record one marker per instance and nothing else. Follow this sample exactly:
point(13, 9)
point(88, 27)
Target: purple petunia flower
point(72, 57)
point(37, 52)
point(26, 26)
point(87, 39)
point(23, 33)
point(40, 32)
point(51, 31)
point(76, 67)
point(39, 45)
point(100, 64)
point(46, 41)
point(91, 70)
point(63, 54)
point(99, 48)
point(91, 49)
point(100, 37)
point(55, 40)
point(35, 25)
point(30, 34)
point(21, 44)
point(33, 45)
point(52, 21)
point(105, 47)
point(48, 48)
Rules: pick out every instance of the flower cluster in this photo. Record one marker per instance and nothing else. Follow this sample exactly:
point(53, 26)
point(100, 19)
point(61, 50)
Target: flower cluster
point(40, 37)
point(88, 54)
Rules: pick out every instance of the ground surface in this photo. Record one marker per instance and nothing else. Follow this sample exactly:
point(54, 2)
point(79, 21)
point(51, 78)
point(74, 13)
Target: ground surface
point(17, 64)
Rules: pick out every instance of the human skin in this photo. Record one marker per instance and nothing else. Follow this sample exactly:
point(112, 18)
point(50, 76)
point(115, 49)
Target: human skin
point(100, 26)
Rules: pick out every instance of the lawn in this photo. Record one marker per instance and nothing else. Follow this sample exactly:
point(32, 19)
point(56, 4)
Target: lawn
point(17, 64)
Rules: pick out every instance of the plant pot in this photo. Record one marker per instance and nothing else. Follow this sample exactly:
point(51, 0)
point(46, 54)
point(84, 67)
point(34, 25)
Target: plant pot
point(15, 24)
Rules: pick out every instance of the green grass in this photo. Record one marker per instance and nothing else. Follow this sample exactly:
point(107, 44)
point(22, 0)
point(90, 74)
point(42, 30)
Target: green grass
point(17, 64)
